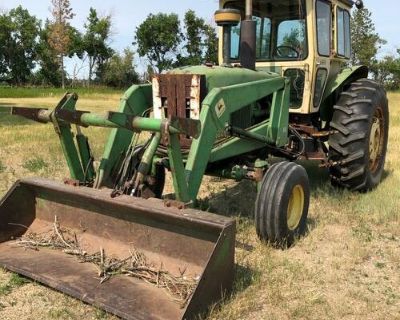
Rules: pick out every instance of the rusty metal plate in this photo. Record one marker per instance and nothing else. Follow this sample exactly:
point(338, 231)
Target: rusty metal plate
point(125, 297)
point(184, 94)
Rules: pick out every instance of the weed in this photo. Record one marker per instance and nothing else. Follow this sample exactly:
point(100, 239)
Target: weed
point(2, 167)
point(100, 314)
point(5, 289)
point(17, 280)
point(62, 313)
point(35, 165)
point(363, 232)
point(14, 282)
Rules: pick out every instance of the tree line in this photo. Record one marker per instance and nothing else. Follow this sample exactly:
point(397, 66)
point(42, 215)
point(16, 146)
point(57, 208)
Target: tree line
point(366, 43)
point(33, 52)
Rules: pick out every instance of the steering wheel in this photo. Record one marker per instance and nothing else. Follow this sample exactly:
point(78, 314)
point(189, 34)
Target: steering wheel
point(286, 52)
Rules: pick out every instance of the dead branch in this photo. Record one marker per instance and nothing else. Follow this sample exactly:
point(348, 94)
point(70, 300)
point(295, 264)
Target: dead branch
point(136, 265)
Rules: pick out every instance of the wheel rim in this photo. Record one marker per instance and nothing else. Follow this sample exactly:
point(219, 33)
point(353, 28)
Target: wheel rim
point(295, 207)
point(376, 140)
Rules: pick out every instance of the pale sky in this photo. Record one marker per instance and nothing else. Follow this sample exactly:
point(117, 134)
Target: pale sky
point(127, 15)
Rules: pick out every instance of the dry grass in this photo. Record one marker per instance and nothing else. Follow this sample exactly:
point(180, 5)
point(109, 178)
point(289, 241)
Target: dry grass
point(347, 267)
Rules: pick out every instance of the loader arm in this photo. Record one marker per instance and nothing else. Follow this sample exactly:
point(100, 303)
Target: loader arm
point(187, 174)
point(215, 114)
point(135, 101)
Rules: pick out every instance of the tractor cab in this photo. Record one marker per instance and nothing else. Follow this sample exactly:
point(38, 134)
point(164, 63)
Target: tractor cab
point(307, 41)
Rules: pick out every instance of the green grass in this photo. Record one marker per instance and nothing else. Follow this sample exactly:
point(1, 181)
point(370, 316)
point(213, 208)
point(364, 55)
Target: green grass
point(35, 165)
point(100, 314)
point(10, 92)
point(2, 167)
point(14, 282)
point(62, 313)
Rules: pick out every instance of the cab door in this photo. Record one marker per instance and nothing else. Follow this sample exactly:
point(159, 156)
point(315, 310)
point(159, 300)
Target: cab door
point(324, 52)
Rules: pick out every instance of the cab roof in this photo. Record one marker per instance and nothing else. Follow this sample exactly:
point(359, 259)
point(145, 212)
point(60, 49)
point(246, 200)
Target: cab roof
point(349, 3)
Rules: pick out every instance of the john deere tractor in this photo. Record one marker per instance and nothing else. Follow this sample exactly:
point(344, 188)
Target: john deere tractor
point(336, 115)
point(283, 89)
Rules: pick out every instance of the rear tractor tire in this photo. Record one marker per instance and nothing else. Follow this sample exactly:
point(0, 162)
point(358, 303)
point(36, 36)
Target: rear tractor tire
point(282, 204)
point(358, 149)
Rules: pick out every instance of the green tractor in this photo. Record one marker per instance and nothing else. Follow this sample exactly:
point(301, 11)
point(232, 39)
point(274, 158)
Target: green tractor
point(282, 89)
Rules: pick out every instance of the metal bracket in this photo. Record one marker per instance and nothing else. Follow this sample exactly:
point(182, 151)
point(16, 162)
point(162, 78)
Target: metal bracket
point(73, 117)
point(122, 119)
point(186, 126)
point(165, 137)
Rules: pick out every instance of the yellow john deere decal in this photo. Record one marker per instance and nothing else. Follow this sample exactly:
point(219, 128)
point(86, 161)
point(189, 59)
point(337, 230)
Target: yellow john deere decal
point(220, 108)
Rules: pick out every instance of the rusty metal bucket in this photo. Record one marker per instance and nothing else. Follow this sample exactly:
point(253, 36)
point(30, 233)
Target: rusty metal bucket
point(197, 244)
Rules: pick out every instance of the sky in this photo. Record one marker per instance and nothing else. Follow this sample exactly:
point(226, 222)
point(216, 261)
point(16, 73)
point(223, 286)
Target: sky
point(128, 14)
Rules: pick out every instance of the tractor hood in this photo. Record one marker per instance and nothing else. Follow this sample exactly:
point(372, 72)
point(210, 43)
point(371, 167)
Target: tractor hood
point(217, 77)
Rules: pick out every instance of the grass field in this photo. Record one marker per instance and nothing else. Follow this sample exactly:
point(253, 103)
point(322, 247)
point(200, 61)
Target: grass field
point(32, 92)
point(346, 267)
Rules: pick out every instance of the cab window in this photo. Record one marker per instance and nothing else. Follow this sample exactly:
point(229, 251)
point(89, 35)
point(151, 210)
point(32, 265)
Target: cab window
point(280, 30)
point(323, 27)
point(291, 38)
point(263, 36)
point(343, 33)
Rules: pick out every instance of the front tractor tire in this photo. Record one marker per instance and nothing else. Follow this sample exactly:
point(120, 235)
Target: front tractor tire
point(282, 204)
point(357, 150)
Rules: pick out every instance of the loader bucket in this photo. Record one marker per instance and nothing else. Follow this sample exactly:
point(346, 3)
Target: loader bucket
point(187, 244)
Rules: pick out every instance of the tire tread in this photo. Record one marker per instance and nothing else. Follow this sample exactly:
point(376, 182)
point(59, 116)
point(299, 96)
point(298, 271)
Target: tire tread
point(348, 146)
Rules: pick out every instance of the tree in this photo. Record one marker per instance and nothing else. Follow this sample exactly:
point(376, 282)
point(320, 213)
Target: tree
point(18, 34)
point(119, 71)
point(387, 71)
point(158, 38)
point(201, 42)
point(95, 41)
point(60, 35)
point(49, 72)
point(195, 28)
point(365, 41)
point(6, 30)
point(211, 45)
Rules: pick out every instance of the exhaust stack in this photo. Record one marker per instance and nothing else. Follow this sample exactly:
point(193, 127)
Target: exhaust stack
point(248, 39)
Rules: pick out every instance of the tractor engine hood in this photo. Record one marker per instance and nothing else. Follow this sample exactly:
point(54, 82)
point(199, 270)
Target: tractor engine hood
point(217, 76)
point(180, 92)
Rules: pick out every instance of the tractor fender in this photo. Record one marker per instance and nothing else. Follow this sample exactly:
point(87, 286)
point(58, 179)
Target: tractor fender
point(334, 88)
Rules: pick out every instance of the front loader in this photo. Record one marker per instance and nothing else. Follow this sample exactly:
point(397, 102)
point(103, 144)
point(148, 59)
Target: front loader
point(110, 236)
